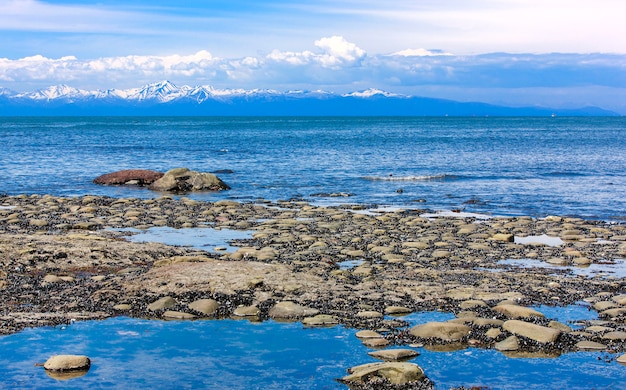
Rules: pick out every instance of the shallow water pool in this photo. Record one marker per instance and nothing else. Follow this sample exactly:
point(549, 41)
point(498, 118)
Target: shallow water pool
point(238, 354)
point(204, 238)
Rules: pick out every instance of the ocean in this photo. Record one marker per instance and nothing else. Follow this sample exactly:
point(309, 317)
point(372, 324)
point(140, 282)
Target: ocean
point(491, 165)
point(570, 166)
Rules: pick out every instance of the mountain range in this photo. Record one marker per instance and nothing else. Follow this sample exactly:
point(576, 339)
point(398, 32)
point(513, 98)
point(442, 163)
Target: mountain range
point(165, 98)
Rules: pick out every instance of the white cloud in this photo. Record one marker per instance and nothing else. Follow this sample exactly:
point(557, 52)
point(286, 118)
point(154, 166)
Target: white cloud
point(336, 52)
point(420, 53)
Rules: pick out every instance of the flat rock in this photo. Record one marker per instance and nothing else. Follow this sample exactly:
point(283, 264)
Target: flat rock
point(161, 304)
point(472, 303)
point(320, 320)
point(515, 311)
point(67, 363)
point(445, 331)
point(394, 355)
point(397, 310)
point(541, 334)
point(375, 343)
point(369, 314)
point(590, 346)
point(395, 372)
point(368, 334)
point(511, 343)
point(291, 310)
point(616, 335)
point(506, 237)
point(616, 312)
point(205, 306)
point(560, 326)
point(246, 311)
point(179, 315)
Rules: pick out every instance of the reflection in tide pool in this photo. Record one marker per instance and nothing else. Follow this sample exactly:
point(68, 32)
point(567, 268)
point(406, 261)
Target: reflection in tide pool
point(204, 238)
point(542, 239)
point(616, 269)
point(572, 315)
point(230, 354)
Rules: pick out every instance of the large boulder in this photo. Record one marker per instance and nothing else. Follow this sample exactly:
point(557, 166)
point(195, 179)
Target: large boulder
point(184, 180)
point(138, 177)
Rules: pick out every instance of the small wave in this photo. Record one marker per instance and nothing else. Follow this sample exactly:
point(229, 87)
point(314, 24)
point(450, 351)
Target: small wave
point(564, 174)
point(413, 178)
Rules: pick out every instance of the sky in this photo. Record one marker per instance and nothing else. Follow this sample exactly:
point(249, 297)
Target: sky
point(554, 53)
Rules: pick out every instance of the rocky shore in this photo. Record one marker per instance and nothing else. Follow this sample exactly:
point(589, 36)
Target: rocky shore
point(65, 259)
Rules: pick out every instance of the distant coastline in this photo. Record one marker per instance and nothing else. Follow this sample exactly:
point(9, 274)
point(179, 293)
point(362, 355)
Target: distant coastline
point(167, 99)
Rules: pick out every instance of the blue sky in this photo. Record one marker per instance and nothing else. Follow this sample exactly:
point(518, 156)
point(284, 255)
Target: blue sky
point(517, 52)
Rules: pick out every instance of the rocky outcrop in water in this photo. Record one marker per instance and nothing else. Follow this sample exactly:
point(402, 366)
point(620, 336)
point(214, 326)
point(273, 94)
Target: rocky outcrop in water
point(136, 177)
point(67, 363)
point(182, 180)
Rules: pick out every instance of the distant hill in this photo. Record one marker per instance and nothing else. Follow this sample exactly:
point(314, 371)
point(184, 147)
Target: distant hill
point(165, 98)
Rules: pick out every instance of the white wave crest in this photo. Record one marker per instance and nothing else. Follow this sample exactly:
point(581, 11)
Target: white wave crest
point(411, 178)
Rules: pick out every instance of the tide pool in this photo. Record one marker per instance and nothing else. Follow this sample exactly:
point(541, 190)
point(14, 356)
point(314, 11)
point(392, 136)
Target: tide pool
point(238, 354)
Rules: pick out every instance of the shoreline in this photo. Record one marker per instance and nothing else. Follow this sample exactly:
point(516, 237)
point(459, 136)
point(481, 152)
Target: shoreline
point(62, 261)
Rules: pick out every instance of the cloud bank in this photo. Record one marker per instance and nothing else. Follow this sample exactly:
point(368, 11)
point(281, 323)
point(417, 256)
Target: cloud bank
point(336, 64)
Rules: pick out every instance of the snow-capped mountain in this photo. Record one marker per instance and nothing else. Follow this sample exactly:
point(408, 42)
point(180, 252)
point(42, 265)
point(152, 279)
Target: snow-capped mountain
point(166, 98)
point(162, 92)
point(56, 92)
point(368, 93)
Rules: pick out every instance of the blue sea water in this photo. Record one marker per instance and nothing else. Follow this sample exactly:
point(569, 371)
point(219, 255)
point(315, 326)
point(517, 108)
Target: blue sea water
point(237, 354)
point(498, 166)
point(502, 166)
